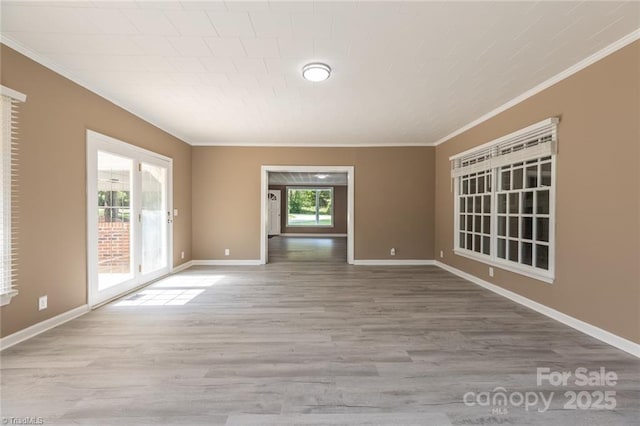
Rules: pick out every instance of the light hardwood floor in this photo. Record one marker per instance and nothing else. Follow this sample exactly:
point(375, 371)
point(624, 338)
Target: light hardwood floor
point(297, 343)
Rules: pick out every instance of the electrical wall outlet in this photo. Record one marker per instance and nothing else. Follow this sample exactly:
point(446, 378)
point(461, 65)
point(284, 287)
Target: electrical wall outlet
point(441, 254)
point(181, 255)
point(42, 303)
point(392, 252)
point(490, 271)
point(227, 252)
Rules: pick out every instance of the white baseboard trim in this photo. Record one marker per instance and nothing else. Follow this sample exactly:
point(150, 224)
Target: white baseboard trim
point(41, 327)
point(309, 235)
point(182, 267)
point(586, 328)
point(222, 262)
point(393, 262)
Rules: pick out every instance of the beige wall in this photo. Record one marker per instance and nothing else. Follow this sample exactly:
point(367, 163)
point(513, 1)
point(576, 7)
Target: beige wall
point(396, 190)
point(598, 191)
point(393, 198)
point(339, 212)
point(52, 183)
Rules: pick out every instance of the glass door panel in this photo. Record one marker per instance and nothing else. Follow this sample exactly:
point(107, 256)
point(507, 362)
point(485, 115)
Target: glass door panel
point(154, 218)
point(115, 236)
point(128, 217)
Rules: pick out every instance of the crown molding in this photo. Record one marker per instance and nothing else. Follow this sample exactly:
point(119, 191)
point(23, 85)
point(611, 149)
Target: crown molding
point(48, 63)
point(314, 145)
point(608, 50)
point(600, 54)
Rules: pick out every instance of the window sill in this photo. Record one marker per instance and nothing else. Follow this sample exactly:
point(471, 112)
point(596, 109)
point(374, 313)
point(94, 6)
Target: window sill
point(310, 226)
point(547, 278)
point(5, 298)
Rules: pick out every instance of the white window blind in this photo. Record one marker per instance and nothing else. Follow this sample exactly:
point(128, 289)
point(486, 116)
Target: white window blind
point(9, 100)
point(537, 140)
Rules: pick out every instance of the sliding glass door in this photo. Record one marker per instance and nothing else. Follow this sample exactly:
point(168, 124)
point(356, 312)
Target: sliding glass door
point(114, 230)
point(129, 217)
point(154, 217)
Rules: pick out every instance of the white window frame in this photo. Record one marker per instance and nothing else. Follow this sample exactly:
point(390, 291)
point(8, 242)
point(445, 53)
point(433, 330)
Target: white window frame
point(491, 157)
point(8, 170)
point(312, 188)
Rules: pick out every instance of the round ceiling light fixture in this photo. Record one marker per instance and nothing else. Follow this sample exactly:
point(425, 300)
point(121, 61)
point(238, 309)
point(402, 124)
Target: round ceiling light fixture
point(316, 72)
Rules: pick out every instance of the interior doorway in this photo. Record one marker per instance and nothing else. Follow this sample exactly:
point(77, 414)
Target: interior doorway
point(316, 208)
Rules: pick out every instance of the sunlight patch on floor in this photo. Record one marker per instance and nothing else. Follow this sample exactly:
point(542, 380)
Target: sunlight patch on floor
point(181, 281)
point(153, 297)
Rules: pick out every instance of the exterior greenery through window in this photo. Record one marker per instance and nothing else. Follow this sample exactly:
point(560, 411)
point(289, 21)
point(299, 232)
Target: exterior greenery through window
point(504, 201)
point(113, 206)
point(310, 207)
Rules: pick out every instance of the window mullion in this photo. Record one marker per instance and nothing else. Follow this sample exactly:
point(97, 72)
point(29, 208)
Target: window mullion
point(456, 209)
point(494, 212)
point(534, 230)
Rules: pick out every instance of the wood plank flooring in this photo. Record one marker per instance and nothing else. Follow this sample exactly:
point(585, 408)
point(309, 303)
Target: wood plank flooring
point(307, 249)
point(297, 343)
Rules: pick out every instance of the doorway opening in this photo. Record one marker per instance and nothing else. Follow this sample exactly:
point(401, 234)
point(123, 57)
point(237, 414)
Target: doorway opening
point(307, 213)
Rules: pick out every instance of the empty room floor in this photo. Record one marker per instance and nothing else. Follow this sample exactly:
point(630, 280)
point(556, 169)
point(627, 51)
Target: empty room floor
point(307, 249)
point(321, 344)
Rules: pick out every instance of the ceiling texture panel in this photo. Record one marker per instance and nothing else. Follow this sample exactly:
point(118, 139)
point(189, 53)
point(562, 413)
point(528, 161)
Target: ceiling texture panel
point(229, 73)
point(307, 178)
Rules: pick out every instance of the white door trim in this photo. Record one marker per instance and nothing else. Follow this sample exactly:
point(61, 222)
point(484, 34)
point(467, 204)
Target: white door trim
point(264, 214)
point(95, 142)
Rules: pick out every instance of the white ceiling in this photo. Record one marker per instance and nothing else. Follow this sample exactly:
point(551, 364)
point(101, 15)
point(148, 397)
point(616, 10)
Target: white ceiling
point(229, 72)
point(304, 178)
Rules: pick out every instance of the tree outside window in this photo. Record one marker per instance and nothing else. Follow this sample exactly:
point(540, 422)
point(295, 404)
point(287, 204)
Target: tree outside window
point(309, 206)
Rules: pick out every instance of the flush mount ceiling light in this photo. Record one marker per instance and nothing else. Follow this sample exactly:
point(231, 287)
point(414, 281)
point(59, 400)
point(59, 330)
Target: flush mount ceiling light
point(316, 72)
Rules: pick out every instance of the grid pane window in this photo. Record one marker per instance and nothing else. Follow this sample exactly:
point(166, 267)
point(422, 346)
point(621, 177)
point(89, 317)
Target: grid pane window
point(504, 193)
point(511, 223)
point(524, 206)
point(474, 218)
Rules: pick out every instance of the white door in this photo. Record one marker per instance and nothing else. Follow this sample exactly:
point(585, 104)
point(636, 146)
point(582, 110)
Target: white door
point(155, 217)
point(274, 211)
point(129, 217)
